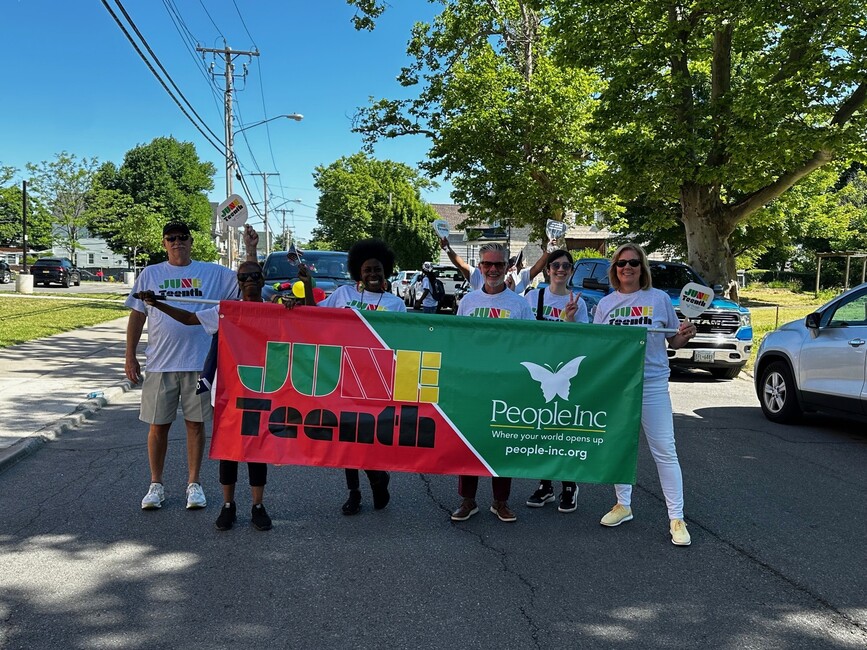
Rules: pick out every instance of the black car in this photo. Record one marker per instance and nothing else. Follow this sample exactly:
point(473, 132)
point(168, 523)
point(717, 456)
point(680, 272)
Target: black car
point(329, 270)
point(5, 273)
point(55, 270)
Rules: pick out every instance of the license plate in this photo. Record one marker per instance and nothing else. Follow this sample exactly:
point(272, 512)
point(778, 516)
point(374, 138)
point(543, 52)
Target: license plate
point(46, 272)
point(702, 356)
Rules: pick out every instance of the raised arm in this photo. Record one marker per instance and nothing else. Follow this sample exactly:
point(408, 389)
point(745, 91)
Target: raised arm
point(251, 244)
point(456, 259)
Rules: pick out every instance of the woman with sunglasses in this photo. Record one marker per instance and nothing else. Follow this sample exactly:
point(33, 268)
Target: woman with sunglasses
point(370, 263)
point(556, 303)
point(629, 275)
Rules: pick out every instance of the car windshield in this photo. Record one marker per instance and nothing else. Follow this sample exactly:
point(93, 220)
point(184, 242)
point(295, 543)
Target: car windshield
point(449, 274)
point(673, 277)
point(321, 265)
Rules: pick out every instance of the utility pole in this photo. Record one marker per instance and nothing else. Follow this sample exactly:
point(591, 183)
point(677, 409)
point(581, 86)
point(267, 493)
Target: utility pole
point(265, 176)
point(229, 73)
point(285, 232)
point(24, 222)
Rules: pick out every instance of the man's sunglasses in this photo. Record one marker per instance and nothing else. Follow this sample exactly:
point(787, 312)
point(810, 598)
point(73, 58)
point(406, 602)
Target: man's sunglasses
point(253, 275)
point(492, 265)
point(560, 266)
point(621, 263)
point(173, 238)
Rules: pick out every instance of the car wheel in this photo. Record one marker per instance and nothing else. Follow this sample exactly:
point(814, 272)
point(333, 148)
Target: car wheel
point(779, 395)
point(65, 282)
point(7, 277)
point(725, 373)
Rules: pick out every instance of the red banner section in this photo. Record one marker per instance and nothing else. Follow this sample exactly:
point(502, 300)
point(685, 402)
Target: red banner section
point(317, 386)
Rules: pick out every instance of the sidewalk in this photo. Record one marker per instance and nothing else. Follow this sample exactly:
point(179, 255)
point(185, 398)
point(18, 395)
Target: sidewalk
point(44, 384)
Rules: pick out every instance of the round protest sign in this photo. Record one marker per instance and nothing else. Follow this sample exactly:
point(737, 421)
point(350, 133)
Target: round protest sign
point(442, 227)
point(233, 211)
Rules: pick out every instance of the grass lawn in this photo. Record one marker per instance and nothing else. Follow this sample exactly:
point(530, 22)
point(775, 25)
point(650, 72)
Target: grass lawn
point(25, 318)
point(771, 308)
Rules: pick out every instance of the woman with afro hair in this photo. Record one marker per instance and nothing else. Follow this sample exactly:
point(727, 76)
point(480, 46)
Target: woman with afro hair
point(370, 263)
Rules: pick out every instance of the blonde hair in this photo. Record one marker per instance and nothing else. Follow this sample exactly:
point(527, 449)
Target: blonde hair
point(644, 279)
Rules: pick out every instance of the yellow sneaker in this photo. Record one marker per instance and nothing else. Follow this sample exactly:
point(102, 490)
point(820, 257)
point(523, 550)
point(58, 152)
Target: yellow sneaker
point(679, 533)
point(617, 515)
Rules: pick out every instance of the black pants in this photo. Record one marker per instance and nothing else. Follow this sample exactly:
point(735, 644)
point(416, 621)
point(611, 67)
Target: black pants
point(229, 473)
point(375, 476)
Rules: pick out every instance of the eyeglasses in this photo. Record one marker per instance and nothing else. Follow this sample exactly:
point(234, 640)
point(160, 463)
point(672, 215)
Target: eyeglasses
point(253, 275)
point(560, 266)
point(493, 265)
point(173, 238)
point(621, 263)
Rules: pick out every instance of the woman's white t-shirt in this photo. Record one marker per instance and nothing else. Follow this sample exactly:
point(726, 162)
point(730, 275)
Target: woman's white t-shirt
point(554, 305)
point(348, 296)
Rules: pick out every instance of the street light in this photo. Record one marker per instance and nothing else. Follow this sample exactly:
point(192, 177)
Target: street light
point(230, 163)
point(290, 116)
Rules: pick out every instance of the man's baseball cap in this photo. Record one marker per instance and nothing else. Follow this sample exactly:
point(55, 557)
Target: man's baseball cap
point(176, 226)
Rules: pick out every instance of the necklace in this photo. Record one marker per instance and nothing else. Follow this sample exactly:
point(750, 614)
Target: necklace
point(376, 307)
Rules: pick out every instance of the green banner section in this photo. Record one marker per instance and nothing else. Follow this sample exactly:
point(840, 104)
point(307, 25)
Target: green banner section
point(532, 399)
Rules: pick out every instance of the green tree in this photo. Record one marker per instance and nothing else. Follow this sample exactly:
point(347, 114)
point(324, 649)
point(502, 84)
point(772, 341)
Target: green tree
point(363, 197)
point(719, 107)
point(507, 125)
point(165, 181)
point(61, 185)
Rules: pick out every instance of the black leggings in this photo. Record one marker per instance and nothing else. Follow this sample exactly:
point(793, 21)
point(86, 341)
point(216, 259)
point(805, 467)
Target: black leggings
point(374, 475)
point(229, 473)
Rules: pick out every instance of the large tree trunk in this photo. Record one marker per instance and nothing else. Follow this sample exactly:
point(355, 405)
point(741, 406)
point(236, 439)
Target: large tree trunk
point(708, 227)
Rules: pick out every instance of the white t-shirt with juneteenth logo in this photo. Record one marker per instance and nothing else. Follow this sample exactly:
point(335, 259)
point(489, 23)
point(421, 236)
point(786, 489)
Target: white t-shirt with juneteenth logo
point(554, 306)
point(645, 308)
point(506, 304)
point(348, 296)
point(172, 346)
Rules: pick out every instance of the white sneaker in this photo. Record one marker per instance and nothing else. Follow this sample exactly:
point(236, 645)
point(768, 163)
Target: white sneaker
point(154, 498)
point(195, 497)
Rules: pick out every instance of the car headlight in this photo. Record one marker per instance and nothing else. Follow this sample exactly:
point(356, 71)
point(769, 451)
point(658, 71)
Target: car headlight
point(746, 321)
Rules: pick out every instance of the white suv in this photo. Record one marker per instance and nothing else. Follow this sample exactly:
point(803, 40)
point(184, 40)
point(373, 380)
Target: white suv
point(818, 363)
point(401, 283)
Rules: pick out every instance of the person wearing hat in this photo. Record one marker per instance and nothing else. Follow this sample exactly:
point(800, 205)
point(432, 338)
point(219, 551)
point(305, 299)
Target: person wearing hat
point(175, 354)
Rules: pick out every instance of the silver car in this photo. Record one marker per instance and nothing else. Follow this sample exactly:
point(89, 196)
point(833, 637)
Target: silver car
point(818, 363)
point(401, 283)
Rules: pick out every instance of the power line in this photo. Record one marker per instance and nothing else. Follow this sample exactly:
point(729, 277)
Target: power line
point(219, 146)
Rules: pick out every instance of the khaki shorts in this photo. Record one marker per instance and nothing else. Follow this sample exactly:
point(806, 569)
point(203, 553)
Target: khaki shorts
point(163, 391)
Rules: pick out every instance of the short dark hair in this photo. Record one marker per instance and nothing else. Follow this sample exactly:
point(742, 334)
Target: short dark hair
point(557, 254)
point(370, 249)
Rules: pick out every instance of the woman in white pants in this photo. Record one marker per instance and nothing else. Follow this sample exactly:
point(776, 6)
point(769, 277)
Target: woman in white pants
point(636, 303)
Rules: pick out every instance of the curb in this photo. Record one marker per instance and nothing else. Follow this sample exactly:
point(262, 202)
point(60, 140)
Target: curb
point(54, 431)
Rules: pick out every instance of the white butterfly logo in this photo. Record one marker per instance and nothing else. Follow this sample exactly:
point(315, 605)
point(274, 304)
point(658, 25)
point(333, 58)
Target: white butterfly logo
point(554, 382)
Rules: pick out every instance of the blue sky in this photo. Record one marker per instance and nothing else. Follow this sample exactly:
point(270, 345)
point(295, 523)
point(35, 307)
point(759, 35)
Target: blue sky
point(77, 85)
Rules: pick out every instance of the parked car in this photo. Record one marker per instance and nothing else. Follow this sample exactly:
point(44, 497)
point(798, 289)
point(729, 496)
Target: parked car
point(55, 270)
point(818, 363)
point(401, 283)
point(448, 275)
point(329, 270)
point(5, 273)
point(725, 334)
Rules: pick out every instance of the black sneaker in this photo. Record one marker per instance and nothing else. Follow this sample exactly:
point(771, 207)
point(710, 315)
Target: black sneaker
point(381, 497)
point(260, 518)
point(544, 494)
point(353, 503)
point(568, 499)
point(227, 516)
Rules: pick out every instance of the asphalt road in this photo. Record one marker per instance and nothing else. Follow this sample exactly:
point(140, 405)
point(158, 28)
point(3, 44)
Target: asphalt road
point(777, 516)
point(86, 287)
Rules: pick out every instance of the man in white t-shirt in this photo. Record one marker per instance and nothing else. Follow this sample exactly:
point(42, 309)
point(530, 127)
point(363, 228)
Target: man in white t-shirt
point(493, 300)
point(175, 354)
point(476, 278)
point(429, 304)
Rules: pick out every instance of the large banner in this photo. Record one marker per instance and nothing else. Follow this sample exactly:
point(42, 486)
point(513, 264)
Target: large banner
point(428, 393)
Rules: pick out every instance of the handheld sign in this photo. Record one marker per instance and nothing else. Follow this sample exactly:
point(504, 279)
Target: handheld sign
point(694, 301)
point(555, 229)
point(442, 228)
point(233, 211)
